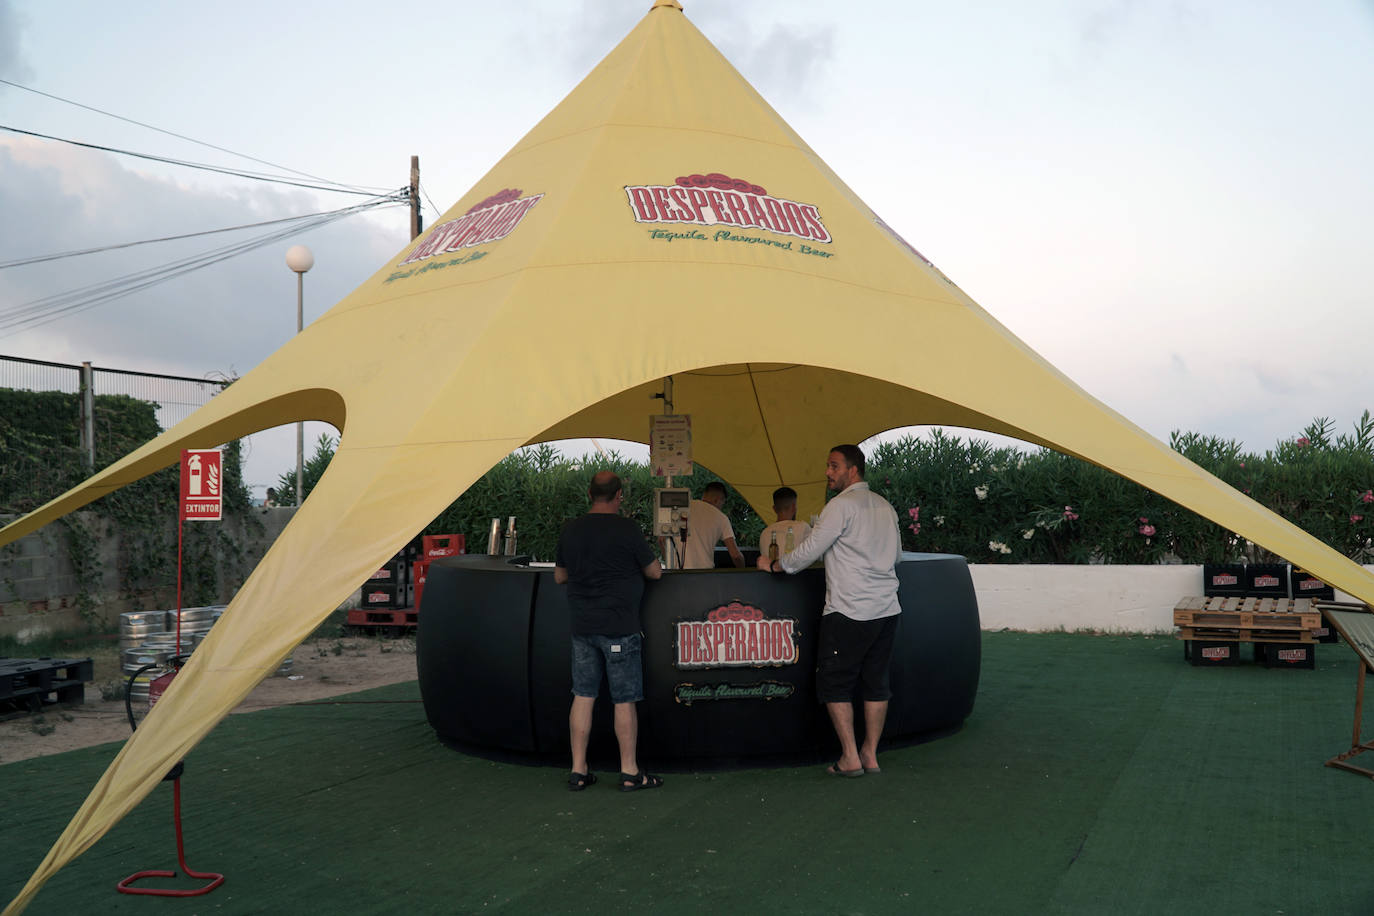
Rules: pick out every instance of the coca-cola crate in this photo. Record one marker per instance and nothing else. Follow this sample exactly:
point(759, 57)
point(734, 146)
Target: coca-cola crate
point(418, 571)
point(1223, 579)
point(1286, 655)
point(443, 545)
point(1267, 580)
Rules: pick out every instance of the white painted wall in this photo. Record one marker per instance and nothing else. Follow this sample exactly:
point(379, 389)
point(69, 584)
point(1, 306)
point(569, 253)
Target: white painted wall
point(1136, 599)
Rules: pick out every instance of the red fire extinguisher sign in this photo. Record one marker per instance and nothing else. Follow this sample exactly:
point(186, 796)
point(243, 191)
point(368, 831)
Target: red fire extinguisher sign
point(202, 485)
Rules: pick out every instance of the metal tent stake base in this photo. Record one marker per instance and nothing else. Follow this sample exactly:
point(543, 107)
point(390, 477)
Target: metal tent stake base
point(126, 886)
point(1356, 745)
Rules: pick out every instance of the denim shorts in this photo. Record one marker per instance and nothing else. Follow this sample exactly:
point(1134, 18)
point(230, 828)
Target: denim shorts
point(618, 657)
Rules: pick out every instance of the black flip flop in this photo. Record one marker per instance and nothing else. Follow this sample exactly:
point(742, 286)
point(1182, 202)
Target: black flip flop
point(640, 780)
point(579, 781)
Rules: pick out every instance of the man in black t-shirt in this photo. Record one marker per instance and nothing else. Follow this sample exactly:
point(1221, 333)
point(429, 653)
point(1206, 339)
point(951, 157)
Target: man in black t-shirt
point(604, 559)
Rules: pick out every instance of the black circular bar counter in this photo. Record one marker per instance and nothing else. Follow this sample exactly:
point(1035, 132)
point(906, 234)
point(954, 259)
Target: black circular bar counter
point(729, 660)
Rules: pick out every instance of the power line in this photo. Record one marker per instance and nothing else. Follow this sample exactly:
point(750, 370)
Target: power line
point(190, 165)
point(50, 308)
point(169, 133)
point(39, 259)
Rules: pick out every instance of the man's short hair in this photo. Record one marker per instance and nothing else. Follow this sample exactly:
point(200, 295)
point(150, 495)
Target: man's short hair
point(604, 486)
point(783, 496)
point(853, 456)
point(714, 486)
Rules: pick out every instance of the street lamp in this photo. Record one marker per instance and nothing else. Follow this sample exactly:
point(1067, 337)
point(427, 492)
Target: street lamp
point(299, 259)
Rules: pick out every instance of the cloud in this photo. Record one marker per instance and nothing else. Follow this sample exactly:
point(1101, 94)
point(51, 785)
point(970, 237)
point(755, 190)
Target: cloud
point(13, 65)
point(784, 61)
point(217, 322)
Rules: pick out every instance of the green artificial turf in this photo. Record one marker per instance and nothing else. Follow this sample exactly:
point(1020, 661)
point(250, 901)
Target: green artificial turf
point(1096, 775)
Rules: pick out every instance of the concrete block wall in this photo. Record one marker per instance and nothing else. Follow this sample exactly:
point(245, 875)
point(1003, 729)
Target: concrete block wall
point(39, 587)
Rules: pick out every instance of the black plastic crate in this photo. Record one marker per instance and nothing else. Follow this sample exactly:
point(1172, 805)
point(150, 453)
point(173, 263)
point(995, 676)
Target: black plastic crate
point(1266, 580)
point(1326, 632)
point(1209, 654)
point(1303, 584)
point(1286, 655)
point(382, 595)
point(394, 570)
point(1223, 580)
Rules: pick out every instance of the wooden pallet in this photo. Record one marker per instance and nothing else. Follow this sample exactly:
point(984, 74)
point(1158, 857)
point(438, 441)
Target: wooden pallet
point(383, 617)
point(1239, 634)
point(1248, 613)
point(29, 682)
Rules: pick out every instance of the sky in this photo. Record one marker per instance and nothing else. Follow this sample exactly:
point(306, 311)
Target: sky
point(1169, 201)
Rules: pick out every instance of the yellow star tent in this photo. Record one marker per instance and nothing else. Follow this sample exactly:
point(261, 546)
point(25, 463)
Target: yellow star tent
point(536, 309)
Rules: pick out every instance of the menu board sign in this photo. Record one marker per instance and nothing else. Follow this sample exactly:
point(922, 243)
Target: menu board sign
point(670, 445)
point(1358, 629)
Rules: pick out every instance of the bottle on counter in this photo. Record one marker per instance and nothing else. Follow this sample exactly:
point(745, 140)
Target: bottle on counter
point(790, 544)
point(773, 548)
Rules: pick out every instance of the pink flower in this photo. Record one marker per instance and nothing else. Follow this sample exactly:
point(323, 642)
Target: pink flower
point(1069, 514)
point(1356, 518)
point(1368, 496)
point(1242, 464)
point(1147, 530)
point(914, 512)
point(915, 529)
point(1304, 442)
point(1144, 520)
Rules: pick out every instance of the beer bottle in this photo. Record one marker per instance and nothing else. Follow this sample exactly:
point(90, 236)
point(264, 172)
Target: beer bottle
point(791, 543)
point(773, 548)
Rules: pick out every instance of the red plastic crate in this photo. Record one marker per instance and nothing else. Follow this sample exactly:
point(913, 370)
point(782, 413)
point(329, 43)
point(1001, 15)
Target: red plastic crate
point(442, 545)
point(418, 570)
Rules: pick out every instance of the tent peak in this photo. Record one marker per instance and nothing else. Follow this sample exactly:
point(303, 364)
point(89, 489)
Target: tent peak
point(673, 3)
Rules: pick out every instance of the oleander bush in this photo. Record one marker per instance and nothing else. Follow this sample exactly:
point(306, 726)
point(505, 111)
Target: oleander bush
point(991, 504)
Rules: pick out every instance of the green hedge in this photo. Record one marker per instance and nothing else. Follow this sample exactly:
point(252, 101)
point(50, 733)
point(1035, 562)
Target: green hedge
point(41, 458)
point(990, 504)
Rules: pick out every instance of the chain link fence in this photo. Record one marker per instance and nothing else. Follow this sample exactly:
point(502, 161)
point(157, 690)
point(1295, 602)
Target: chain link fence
point(176, 396)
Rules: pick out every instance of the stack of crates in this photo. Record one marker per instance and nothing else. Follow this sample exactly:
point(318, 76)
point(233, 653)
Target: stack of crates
point(391, 596)
point(1254, 603)
point(433, 547)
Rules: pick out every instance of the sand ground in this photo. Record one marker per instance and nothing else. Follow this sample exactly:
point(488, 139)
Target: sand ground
point(320, 668)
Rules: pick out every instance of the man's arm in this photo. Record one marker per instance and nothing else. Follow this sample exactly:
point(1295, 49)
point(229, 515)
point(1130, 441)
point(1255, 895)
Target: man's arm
point(560, 575)
point(735, 556)
point(653, 571)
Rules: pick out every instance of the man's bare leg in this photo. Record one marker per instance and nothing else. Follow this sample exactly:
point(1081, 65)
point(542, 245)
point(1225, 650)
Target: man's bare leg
point(875, 717)
point(842, 717)
point(580, 730)
point(627, 733)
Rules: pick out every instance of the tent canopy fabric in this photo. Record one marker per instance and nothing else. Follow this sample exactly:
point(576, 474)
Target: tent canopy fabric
point(548, 304)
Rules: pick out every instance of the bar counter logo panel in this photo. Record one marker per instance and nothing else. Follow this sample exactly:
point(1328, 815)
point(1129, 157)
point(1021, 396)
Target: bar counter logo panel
point(736, 635)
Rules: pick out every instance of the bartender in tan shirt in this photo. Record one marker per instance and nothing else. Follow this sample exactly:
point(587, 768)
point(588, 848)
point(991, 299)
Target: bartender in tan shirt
point(707, 526)
point(785, 507)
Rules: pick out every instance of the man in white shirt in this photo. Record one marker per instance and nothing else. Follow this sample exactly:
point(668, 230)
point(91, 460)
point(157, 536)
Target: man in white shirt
point(788, 531)
point(707, 526)
point(857, 534)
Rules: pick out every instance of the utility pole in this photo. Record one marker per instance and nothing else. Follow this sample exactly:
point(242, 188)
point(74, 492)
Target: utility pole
point(415, 226)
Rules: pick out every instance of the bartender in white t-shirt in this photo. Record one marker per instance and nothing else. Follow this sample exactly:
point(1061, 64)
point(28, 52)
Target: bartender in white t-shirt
point(707, 526)
point(787, 529)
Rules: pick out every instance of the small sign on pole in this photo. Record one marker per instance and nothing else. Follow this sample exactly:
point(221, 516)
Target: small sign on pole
point(202, 485)
point(670, 445)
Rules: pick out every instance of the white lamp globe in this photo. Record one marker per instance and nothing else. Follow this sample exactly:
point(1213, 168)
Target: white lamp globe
point(299, 258)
